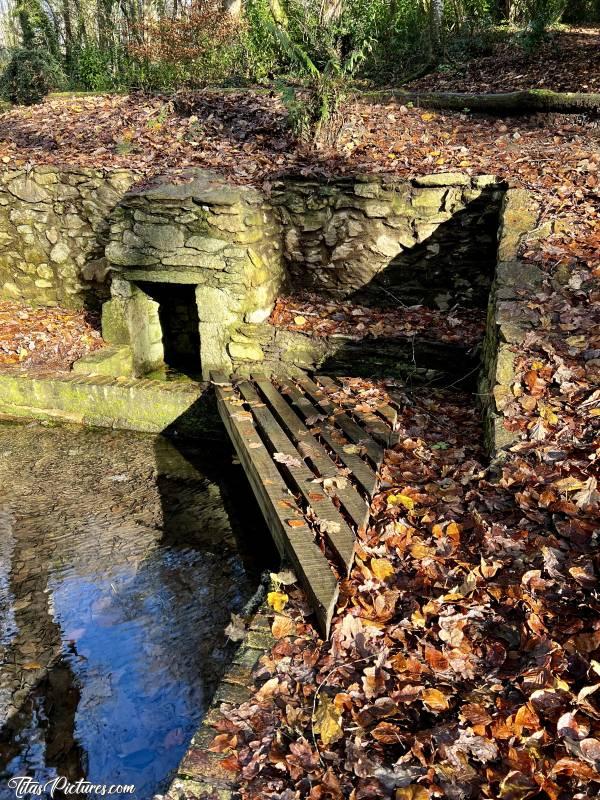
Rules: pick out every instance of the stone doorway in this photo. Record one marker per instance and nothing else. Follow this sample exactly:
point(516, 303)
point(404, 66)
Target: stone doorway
point(179, 323)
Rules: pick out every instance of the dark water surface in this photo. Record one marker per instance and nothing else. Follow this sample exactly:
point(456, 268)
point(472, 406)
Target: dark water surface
point(122, 557)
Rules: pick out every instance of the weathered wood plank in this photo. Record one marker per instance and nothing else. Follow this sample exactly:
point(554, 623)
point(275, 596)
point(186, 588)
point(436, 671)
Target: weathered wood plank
point(350, 427)
point(373, 424)
point(361, 471)
point(354, 505)
point(278, 506)
point(336, 530)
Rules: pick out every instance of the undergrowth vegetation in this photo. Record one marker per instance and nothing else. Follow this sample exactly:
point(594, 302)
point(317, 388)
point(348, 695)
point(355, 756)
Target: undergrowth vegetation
point(170, 44)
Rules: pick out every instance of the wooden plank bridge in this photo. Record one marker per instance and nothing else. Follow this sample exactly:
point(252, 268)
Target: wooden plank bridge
point(312, 464)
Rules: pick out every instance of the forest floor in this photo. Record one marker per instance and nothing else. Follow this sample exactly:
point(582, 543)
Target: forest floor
point(569, 61)
point(464, 660)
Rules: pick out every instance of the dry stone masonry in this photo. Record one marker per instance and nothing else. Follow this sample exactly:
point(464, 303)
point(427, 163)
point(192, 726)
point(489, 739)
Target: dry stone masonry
point(430, 240)
point(193, 265)
point(509, 316)
point(53, 227)
point(202, 232)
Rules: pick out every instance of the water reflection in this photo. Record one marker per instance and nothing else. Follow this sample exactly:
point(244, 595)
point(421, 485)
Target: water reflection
point(120, 563)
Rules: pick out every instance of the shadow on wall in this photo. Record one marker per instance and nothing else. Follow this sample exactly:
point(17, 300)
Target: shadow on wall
point(412, 360)
point(453, 266)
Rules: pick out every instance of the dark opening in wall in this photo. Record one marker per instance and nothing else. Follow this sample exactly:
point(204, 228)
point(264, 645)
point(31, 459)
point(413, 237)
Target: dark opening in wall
point(178, 314)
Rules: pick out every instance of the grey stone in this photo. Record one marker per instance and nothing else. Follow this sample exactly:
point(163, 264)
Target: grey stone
point(443, 179)
point(60, 253)
point(207, 244)
point(26, 189)
point(160, 237)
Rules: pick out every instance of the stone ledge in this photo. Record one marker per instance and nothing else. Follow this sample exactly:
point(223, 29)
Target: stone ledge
point(140, 405)
point(201, 774)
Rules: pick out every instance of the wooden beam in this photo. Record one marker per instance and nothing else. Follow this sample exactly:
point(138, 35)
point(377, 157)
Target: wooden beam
point(351, 428)
point(328, 518)
point(354, 505)
point(279, 507)
point(333, 437)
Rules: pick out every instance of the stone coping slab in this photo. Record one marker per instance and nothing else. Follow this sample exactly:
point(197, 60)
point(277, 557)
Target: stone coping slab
point(149, 406)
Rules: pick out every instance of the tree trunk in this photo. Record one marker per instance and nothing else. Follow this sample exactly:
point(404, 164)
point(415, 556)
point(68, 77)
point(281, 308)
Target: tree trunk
point(528, 101)
point(437, 24)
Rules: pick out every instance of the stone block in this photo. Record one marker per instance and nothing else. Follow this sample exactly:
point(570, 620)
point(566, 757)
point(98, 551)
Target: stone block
point(505, 365)
point(443, 179)
point(246, 351)
point(26, 189)
point(60, 253)
point(114, 361)
point(207, 244)
point(519, 215)
point(115, 327)
point(432, 199)
point(121, 255)
point(160, 237)
point(387, 246)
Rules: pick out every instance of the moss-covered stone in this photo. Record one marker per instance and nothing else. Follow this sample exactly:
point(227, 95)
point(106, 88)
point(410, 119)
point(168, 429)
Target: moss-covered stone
point(150, 406)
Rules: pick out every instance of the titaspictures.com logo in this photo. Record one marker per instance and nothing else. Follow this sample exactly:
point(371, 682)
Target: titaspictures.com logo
point(24, 787)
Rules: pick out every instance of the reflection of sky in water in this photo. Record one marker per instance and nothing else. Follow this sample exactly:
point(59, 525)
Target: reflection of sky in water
point(120, 564)
point(139, 654)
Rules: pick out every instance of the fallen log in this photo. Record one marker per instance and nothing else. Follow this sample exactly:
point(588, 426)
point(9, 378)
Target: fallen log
point(529, 101)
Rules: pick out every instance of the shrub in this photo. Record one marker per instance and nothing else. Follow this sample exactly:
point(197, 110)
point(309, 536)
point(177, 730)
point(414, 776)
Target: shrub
point(90, 68)
point(29, 76)
point(326, 49)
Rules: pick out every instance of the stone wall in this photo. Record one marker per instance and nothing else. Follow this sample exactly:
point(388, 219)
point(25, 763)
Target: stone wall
point(379, 240)
point(270, 350)
point(200, 230)
point(509, 317)
point(53, 229)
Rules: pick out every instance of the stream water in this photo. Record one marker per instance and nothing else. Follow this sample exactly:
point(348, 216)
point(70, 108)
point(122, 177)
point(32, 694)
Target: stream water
point(122, 557)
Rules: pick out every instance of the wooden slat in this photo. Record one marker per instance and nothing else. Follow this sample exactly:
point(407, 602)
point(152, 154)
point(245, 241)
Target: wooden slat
point(373, 424)
point(361, 471)
point(351, 428)
point(387, 412)
point(342, 539)
point(354, 505)
point(277, 505)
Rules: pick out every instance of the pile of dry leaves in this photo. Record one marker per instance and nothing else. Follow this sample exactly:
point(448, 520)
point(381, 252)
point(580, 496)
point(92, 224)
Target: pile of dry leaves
point(37, 339)
point(313, 315)
point(464, 660)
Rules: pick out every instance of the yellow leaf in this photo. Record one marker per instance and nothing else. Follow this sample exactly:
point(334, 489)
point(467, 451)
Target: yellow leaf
point(401, 500)
point(420, 550)
point(569, 484)
point(381, 568)
point(548, 414)
point(32, 665)
point(327, 721)
point(427, 116)
point(277, 600)
point(434, 700)
point(417, 619)
point(412, 792)
point(283, 626)
point(595, 412)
